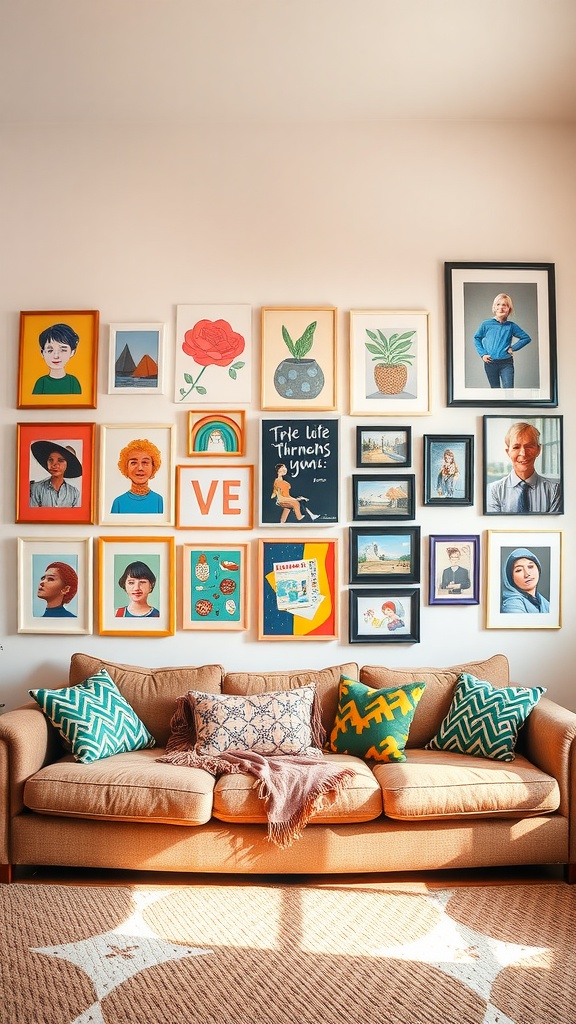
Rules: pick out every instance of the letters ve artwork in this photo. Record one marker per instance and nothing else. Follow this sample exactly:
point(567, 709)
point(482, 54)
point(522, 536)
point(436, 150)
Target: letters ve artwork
point(214, 497)
point(299, 472)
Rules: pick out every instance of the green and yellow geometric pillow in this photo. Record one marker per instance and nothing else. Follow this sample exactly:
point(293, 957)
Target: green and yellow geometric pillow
point(374, 724)
point(484, 720)
point(93, 718)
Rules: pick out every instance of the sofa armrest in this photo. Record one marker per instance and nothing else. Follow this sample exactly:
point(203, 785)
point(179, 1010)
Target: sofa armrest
point(548, 740)
point(27, 743)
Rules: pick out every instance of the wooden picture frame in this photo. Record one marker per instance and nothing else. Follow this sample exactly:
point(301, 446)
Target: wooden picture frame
point(55, 585)
point(298, 589)
point(389, 362)
point(389, 447)
point(377, 497)
point(532, 445)
point(454, 576)
point(214, 586)
point(299, 471)
point(55, 473)
point(152, 562)
point(298, 363)
point(384, 615)
point(216, 433)
point(136, 359)
point(213, 497)
point(524, 579)
point(65, 341)
point(530, 379)
point(448, 469)
point(213, 354)
point(385, 554)
point(134, 495)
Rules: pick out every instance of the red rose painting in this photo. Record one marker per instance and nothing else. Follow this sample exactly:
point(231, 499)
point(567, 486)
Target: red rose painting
point(213, 353)
point(211, 343)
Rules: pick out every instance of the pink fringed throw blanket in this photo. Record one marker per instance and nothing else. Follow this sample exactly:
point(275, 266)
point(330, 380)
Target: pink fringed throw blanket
point(292, 786)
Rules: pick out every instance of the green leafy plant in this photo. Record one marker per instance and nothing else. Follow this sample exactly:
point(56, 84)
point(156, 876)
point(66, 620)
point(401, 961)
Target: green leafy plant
point(392, 351)
point(300, 348)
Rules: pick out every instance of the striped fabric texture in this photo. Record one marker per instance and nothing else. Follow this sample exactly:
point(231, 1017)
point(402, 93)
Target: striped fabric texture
point(93, 718)
point(484, 720)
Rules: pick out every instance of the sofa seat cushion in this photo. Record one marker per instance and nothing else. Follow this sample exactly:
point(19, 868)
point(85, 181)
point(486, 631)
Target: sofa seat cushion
point(124, 787)
point(236, 797)
point(437, 784)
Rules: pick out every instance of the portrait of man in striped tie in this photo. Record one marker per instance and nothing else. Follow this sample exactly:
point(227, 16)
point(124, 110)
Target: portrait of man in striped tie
point(524, 491)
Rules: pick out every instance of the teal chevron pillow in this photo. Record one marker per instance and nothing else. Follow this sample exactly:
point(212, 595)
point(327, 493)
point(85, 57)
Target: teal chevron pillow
point(484, 720)
point(374, 723)
point(94, 719)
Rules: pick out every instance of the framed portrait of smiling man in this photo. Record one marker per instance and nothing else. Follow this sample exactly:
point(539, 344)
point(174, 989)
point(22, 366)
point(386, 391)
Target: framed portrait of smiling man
point(58, 359)
point(136, 474)
point(523, 457)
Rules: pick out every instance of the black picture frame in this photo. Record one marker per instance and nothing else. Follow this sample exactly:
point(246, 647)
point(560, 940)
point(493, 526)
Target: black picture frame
point(470, 290)
point(385, 554)
point(454, 579)
point(383, 446)
point(384, 615)
point(379, 496)
point(499, 487)
point(448, 469)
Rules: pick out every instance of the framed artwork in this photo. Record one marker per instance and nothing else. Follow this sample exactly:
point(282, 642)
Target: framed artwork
point(136, 474)
point(524, 579)
point(523, 460)
point(54, 472)
point(384, 615)
point(297, 590)
point(448, 469)
point(299, 461)
point(386, 554)
point(136, 359)
point(214, 497)
point(216, 433)
point(136, 586)
point(501, 334)
point(389, 363)
point(383, 446)
point(213, 354)
point(58, 359)
point(54, 585)
point(454, 576)
point(214, 586)
point(376, 496)
point(298, 366)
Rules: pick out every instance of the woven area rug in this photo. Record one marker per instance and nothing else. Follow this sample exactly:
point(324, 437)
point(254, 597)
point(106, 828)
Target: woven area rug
point(267, 953)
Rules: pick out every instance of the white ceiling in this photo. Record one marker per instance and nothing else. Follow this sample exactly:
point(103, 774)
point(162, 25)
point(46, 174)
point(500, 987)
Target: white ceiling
point(286, 60)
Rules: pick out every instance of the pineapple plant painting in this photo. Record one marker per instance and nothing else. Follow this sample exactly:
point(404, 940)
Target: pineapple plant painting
point(392, 355)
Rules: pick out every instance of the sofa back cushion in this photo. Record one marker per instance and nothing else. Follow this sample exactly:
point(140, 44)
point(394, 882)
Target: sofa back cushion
point(327, 682)
point(440, 684)
point(152, 692)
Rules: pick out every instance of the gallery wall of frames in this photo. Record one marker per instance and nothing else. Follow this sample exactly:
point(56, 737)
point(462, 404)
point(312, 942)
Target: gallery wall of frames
point(128, 574)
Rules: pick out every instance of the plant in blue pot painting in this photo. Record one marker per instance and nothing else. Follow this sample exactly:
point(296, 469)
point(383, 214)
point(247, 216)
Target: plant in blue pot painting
point(298, 377)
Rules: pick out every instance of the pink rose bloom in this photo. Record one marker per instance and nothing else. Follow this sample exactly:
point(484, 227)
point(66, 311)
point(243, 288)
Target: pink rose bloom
point(213, 343)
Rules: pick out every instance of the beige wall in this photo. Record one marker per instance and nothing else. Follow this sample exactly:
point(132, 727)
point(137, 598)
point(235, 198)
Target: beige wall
point(133, 222)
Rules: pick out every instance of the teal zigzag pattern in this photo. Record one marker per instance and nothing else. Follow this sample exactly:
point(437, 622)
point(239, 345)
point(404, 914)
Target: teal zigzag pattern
point(94, 719)
point(484, 720)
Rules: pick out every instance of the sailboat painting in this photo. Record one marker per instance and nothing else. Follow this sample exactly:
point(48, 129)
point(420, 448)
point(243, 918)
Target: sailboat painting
point(136, 359)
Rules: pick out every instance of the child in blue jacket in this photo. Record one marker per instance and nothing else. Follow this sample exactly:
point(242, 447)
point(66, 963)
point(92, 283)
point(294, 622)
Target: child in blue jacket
point(497, 340)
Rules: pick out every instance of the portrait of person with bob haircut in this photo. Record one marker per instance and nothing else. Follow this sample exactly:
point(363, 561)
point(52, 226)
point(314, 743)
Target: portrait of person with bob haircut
point(138, 581)
point(58, 587)
point(139, 461)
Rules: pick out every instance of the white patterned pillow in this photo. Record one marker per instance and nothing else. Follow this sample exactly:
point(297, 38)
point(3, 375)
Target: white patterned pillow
point(277, 722)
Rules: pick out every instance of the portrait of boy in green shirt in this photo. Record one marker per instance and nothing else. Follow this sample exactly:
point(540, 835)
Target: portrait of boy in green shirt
point(58, 345)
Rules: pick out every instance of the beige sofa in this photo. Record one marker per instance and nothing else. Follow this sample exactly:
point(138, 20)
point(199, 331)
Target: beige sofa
point(435, 810)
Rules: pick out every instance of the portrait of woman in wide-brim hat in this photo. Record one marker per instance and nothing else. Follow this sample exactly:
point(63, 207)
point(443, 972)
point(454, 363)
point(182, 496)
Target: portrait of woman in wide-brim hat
point(61, 463)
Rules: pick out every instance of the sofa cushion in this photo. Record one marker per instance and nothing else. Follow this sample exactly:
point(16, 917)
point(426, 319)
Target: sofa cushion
point(483, 720)
point(440, 683)
point(93, 718)
point(124, 787)
point(374, 723)
point(327, 681)
point(276, 722)
point(152, 692)
point(236, 797)
point(435, 784)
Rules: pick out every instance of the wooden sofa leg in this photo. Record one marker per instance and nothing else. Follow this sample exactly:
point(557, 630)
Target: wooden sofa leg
point(5, 874)
point(570, 874)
